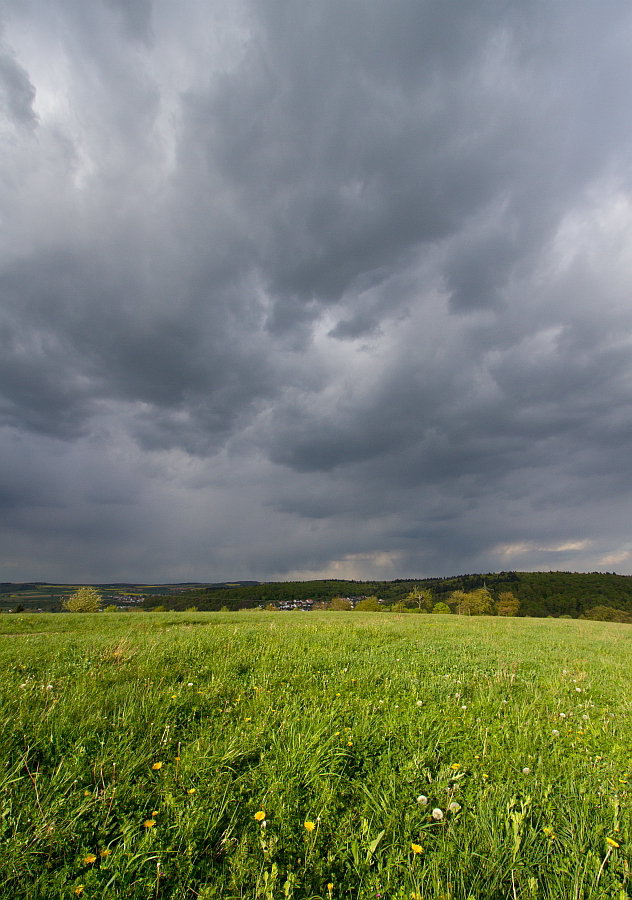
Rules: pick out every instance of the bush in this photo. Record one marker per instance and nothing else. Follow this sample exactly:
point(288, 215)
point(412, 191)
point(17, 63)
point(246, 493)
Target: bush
point(441, 608)
point(86, 599)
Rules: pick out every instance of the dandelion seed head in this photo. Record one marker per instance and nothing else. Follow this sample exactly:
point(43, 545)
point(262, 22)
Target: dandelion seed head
point(437, 815)
point(454, 807)
point(422, 800)
point(526, 770)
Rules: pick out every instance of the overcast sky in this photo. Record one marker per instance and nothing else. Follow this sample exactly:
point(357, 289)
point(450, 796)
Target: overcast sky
point(298, 289)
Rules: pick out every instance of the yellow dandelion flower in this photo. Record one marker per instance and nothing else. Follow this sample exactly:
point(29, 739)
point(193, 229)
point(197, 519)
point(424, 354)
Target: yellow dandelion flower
point(177, 759)
point(154, 812)
point(89, 859)
point(337, 734)
point(455, 766)
point(191, 791)
point(260, 816)
point(309, 826)
point(79, 890)
point(349, 743)
point(174, 696)
point(417, 848)
point(104, 853)
point(611, 842)
point(86, 793)
point(157, 766)
point(149, 823)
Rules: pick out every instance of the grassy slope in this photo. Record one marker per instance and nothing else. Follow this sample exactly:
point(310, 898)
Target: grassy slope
point(307, 721)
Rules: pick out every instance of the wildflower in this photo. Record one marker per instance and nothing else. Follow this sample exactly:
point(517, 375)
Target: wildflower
point(260, 816)
point(154, 813)
point(156, 766)
point(86, 793)
point(174, 696)
point(611, 842)
point(149, 823)
point(337, 734)
point(190, 684)
point(89, 859)
point(422, 800)
point(177, 758)
point(485, 775)
point(349, 743)
point(191, 791)
point(555, 732)
point(437, 815)
point(330, 888)
point(526, 770)
point(248, 719)
point(79, 890)
point(104, 853)
point(454, 807)
point(417, 848)
point(264, 824)
point(455, 766)
point(309, 826)
point(464, 707)
point(562, 715)
point(420, 703)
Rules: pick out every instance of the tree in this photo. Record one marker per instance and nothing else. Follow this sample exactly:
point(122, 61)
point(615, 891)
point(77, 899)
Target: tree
point(86, 599)
point(508, 604)
point(473, 603)
point(420, 597)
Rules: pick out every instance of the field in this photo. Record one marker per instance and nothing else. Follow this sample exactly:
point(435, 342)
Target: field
point(314, 755)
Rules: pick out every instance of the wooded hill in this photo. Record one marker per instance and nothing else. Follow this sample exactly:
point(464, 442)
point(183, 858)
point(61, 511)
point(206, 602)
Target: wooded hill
point(540, 593)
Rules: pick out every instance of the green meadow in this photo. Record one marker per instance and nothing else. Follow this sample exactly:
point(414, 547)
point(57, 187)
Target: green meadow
point(314, 755)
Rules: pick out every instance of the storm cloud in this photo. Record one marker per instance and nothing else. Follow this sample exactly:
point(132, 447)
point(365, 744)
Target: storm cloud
point(294, 290)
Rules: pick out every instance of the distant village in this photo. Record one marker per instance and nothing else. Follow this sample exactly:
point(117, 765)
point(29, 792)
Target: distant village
point(309, 604)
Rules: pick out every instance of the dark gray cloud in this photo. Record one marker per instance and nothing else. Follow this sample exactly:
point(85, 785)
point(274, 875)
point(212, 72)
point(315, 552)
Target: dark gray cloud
point(338, 289)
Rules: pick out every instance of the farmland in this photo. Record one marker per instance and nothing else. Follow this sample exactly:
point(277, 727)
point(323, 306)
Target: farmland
point(321, 755)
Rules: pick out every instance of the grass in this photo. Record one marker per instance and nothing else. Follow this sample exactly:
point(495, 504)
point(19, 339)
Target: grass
point(139, 748)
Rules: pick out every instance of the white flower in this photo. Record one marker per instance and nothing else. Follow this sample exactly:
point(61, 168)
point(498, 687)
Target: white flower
point(49, 687)
point(562, 715)
point(585, 717)
point(579, 690)
point(190, 684)
point(437, 815)
point(464, 707)
point(422, 800)
point(420, 703)
point(454, 807)
point(555, 732)
point(526, 770)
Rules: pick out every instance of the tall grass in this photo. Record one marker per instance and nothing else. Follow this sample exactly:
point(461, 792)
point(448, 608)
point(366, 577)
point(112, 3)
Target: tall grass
point(138, 750)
